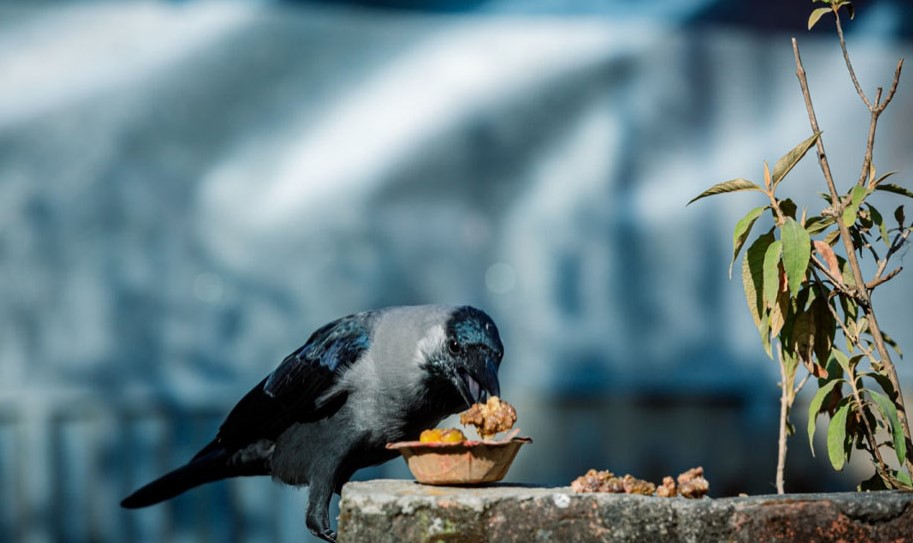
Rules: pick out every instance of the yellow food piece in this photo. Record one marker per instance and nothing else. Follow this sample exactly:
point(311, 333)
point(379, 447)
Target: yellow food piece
point(437, 435)
point(431, 436)
point(452, 435)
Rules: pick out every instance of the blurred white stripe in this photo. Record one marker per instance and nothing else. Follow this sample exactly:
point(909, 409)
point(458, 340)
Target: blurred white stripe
point(71, 52)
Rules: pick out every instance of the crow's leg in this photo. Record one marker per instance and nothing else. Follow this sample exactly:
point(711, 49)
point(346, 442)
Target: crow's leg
point(318, 512)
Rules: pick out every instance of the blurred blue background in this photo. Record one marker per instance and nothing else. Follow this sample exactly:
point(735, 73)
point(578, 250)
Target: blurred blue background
point(188, 189)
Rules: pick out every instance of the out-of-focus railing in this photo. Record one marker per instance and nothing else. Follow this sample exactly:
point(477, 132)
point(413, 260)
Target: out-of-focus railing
point(68, 458)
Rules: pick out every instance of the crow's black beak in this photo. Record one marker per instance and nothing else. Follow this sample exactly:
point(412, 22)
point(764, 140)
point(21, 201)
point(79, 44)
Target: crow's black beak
point(478, 382)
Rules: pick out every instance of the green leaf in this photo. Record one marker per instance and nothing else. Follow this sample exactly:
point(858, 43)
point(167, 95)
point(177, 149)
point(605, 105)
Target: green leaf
point(772, 273)
point(836, 436)
point(733, 185)
point(893, 344)
point(753, 282)
point(904, 478)
point(881, 179)
point(797, 251)
point(890, 412)
point(847, 272)
point(882, 227)
point(790, 159)
point(852, 210)
point(896, 189)
point(753, 274)
point(883, 382)
point(814, 407)
point(842, 360)
point(816, 225)
point(899, 216)
point(742, 230)
point(813, 18)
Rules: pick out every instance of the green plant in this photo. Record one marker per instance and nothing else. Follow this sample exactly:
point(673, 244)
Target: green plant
point(805, 290)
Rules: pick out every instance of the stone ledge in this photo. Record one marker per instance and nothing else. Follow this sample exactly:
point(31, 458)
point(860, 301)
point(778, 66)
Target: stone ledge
point(405, 511)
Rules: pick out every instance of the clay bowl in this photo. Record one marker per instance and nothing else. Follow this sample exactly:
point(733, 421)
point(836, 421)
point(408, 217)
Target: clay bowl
point(465, 463)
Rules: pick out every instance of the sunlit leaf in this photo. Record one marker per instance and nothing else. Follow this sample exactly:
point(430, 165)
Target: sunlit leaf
point(733, 185)
point(896, 189)
point(742, 230)
point(881, 179)
point(836, 436)
point(766, 176)
point(753, 275)
point(904, 478)
point(796, 253)
point(889, 410)
point(816, 15)
point(815, 407)
point(790, 159)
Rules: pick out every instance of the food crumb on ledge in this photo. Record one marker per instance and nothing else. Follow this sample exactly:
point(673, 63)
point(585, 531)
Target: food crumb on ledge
point(691, 484)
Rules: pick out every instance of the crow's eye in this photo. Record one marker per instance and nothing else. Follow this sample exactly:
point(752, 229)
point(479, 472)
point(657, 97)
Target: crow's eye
point(454, 347)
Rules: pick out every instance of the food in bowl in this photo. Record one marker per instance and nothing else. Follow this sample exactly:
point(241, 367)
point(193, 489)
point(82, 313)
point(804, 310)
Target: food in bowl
point(438, 435)
point(444, 456)
point(490, 418)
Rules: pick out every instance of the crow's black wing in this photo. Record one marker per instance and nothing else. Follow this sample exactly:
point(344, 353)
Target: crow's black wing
point(297, 391)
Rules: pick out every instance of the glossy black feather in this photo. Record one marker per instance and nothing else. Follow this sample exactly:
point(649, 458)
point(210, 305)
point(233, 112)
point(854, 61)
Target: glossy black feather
point(297, 391)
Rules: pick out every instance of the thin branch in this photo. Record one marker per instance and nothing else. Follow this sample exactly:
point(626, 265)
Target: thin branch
point(813, 121)
point(898, 242)
point(869, 433)
point(849, 65)
point(874, 329)
point(893, 88)
point(836, 281)
point(801, 384)
point(870, 140)
point(883, 279)
point(775, 205)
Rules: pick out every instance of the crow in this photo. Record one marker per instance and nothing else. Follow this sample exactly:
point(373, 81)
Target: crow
point(331, 406)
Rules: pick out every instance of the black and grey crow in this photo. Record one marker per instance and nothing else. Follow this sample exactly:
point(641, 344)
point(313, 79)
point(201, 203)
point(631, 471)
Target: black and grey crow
point(331, 406)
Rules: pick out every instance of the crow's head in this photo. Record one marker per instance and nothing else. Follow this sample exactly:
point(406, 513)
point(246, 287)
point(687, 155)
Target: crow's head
point(469, 355)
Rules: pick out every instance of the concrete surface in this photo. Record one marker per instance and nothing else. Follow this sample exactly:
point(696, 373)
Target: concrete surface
point(405, 511)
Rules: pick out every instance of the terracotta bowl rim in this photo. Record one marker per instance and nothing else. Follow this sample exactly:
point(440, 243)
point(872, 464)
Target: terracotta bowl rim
point(462, 445)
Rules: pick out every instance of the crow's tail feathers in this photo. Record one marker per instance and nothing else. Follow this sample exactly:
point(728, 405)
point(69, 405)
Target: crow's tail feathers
point(210, 464)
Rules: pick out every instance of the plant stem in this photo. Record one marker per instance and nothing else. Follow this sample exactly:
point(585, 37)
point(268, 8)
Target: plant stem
point(784, 414)
point(861, 293)
point(849, 65)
